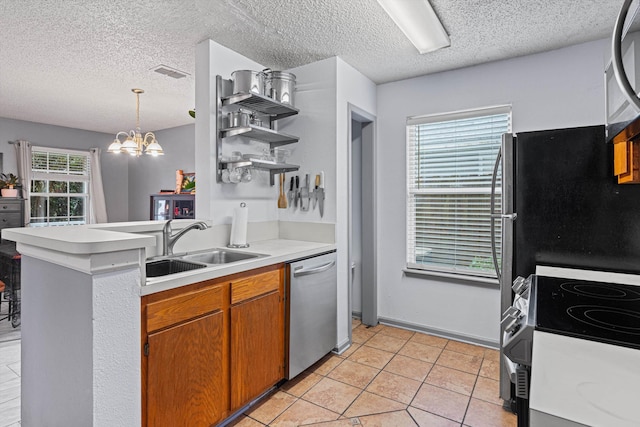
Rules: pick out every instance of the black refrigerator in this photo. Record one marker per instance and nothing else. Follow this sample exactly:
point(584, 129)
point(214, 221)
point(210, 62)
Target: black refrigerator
point(562, 206)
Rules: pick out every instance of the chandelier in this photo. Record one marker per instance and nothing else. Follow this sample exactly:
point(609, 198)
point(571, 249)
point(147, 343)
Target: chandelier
point(134, 143)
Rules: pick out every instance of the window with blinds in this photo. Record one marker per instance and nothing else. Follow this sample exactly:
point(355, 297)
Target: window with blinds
point(59, 193)
point(450, 162)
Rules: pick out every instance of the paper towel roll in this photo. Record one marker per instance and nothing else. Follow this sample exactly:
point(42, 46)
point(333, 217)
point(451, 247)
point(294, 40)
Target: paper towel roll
point(239, 226)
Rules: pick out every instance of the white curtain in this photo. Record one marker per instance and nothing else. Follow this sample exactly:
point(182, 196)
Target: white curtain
point(23, 156)
point(98, 211)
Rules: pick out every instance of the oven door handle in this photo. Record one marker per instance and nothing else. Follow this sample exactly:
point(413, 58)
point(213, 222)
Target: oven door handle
point(511, 368)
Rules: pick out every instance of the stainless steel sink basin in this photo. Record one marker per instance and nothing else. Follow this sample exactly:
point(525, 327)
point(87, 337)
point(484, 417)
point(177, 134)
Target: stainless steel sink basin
point(164, 267)
point(219, 256)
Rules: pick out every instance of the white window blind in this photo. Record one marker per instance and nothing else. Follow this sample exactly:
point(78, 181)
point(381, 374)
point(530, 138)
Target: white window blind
point(450, 161)
point(59, 193)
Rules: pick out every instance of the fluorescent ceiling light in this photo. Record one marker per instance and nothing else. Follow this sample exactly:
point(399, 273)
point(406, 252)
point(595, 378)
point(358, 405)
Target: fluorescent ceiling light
point(419, 22)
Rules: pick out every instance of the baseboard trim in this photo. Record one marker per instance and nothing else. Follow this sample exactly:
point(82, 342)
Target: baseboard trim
point(342, 347)
point(441, 333)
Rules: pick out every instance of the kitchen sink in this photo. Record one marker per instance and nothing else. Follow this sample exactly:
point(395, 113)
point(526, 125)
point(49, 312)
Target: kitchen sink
point(164, 267)
point(219, 256)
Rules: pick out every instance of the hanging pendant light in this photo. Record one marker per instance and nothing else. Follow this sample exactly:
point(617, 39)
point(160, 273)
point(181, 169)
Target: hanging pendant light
point(134, 143)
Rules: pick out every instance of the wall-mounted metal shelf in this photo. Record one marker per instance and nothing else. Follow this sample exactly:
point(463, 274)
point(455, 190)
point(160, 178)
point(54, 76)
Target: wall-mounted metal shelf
point(274, 138)
point(273, 167)
point(261, 104)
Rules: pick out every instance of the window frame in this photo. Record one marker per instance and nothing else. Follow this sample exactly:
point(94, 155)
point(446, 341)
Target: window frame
point(68, 176)
point(414, 268)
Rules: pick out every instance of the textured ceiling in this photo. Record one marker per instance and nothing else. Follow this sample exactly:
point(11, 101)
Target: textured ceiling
point(73, 62)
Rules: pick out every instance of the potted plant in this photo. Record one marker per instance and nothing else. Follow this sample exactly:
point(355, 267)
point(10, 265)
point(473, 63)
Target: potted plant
point(7, 184)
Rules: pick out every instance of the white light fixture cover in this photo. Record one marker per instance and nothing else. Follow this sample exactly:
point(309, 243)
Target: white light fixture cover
point(419, 22)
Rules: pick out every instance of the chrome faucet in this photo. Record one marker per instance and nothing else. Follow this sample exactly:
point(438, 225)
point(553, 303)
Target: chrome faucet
point(169, 240)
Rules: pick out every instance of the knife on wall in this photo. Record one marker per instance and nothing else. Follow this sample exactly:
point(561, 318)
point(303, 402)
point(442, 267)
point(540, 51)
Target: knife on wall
point(296, 196)
point(315, 192)
point(290, 194)
point(304, 194)
point(320, 194)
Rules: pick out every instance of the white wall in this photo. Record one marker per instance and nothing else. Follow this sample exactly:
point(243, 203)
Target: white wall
point(316, 127)
point(355, 89)
point(214, 200)
point(114, 168)
point(148, 175)
point(562, 88)
point(324, 91)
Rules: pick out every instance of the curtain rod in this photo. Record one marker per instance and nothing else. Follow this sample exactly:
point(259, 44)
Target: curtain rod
point(55, 148)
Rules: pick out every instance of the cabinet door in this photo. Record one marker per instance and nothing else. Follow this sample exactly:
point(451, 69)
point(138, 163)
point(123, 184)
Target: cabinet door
point(161, 208)
point(176, 206)
point(257, 347)
point(184, 207)
point(186, 382)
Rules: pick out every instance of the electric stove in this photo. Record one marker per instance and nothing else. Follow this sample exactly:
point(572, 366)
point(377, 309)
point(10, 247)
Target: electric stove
point(597, 311)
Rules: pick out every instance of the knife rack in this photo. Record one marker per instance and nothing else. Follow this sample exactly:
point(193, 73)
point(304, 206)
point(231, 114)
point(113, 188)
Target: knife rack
point(265, 107)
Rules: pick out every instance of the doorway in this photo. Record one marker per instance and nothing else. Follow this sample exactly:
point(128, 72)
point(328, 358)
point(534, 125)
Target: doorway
point(363, 289)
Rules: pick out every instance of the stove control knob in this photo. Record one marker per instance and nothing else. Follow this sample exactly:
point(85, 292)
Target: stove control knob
point(510, 321)
point(520, 285)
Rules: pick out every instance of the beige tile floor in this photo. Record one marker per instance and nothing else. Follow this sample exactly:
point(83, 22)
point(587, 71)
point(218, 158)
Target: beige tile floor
point(391, 377)
point(10, 383)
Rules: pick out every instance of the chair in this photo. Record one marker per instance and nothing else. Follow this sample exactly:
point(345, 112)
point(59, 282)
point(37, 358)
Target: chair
point(2, 289)
point(10, 279)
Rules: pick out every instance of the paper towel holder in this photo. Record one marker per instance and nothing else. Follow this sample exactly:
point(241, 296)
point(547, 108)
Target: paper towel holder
point(239, 246)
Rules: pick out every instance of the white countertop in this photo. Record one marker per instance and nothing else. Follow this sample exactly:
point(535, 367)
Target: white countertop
point(73, 245)
point(275, 251)
point(583, 381)
point(77, 239)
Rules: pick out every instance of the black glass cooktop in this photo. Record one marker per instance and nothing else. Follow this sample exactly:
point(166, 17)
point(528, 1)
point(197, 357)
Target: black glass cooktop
point(605, 312)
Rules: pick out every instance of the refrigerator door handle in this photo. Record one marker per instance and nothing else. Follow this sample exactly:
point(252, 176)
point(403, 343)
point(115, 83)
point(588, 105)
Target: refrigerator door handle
point(494, 215)
point(511, 216)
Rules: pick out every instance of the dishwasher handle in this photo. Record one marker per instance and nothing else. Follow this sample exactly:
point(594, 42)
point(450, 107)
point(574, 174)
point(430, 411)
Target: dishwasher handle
point(300, 271)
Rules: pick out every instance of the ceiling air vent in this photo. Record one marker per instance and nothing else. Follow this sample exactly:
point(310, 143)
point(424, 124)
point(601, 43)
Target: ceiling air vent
point(170, 72)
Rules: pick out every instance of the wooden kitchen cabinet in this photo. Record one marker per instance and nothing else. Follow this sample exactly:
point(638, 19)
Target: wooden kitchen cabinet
point(185, 368)
point(185, 356)
point(257, 335)
point(211, 347)
point(626, 161)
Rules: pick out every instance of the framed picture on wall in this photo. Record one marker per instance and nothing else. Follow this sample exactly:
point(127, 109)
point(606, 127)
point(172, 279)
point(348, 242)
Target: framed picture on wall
point(188, 183)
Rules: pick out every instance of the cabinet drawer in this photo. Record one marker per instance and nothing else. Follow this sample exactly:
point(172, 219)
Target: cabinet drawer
point(176, 309)
point(255, 285)
point(10, 206)
point(10, 219)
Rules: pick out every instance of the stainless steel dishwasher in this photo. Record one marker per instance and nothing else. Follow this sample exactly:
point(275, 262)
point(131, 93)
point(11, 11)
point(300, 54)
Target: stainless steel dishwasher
point(312, 310)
